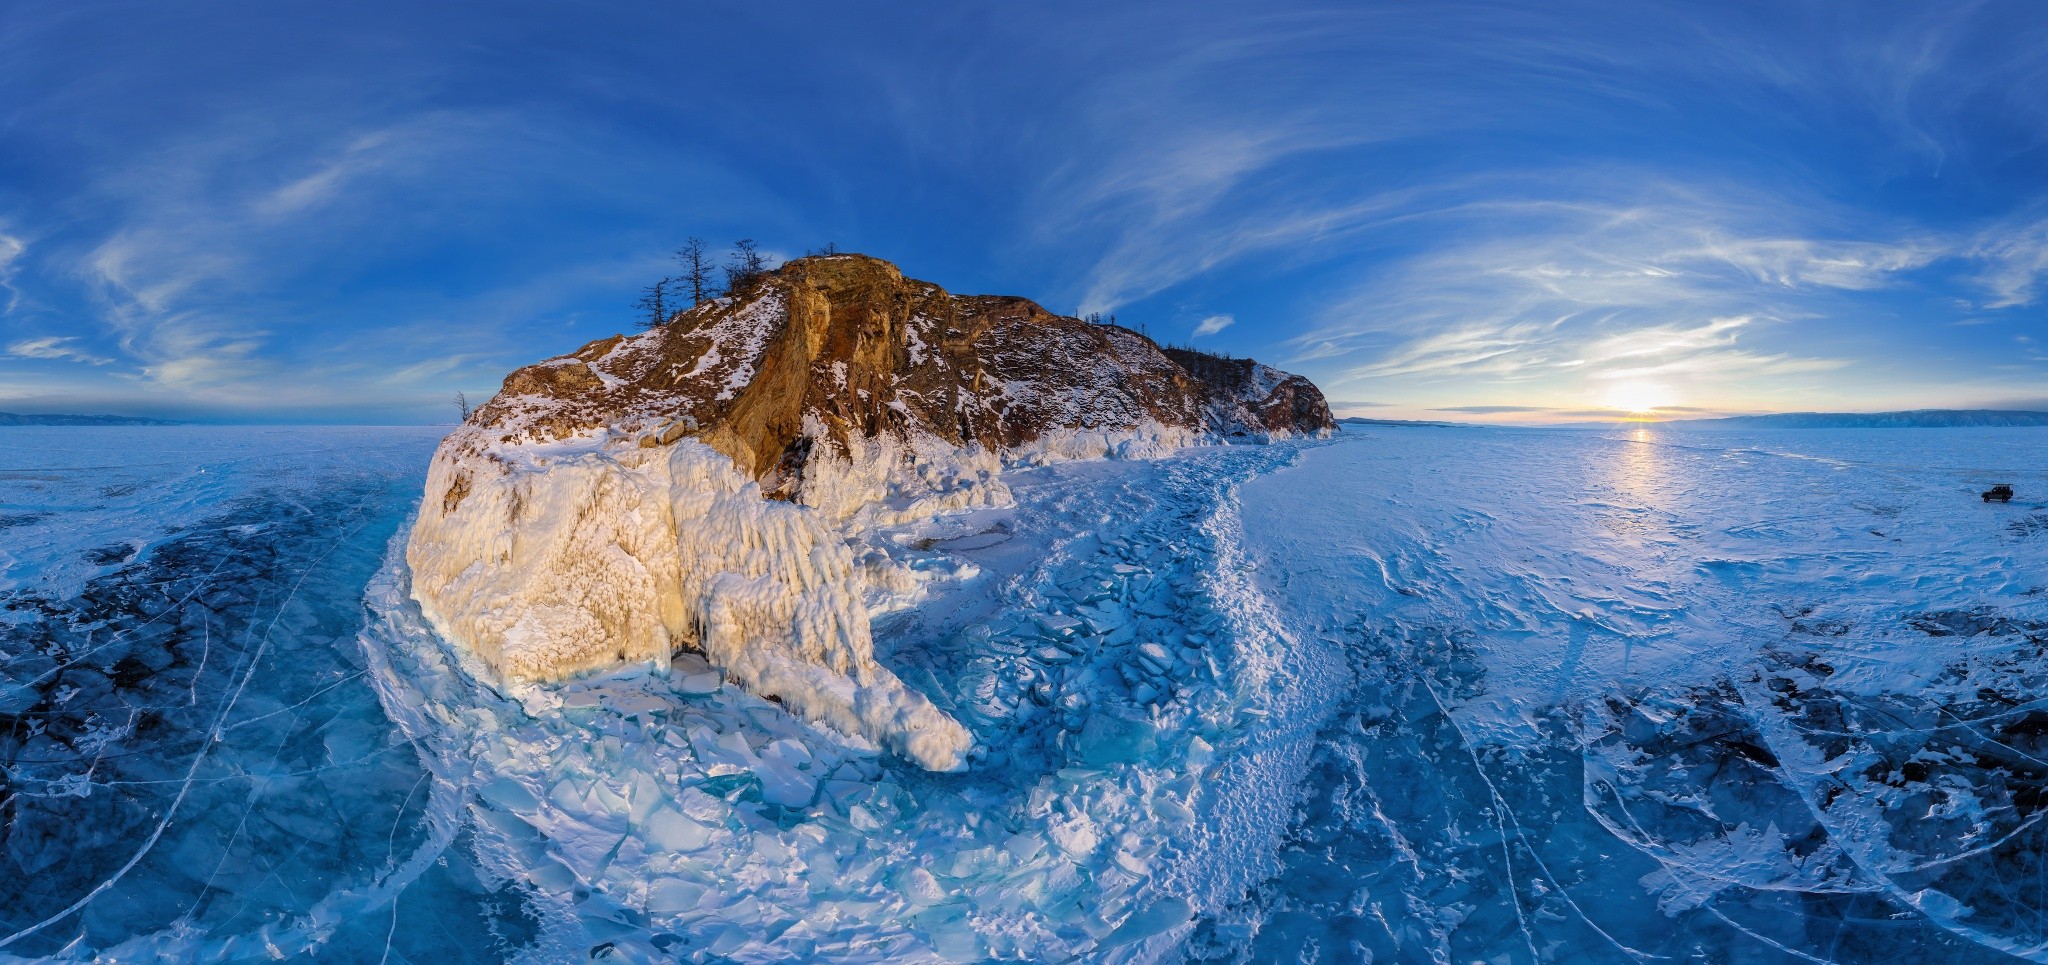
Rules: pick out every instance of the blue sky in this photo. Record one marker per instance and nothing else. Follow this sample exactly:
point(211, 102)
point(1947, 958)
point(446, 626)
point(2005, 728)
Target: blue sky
point(1513, 211)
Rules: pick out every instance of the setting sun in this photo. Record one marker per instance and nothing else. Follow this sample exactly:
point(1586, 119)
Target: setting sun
point(1640, 398)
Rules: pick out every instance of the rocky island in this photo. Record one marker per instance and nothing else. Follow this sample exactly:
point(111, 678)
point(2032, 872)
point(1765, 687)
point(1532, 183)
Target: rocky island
point(698, 486)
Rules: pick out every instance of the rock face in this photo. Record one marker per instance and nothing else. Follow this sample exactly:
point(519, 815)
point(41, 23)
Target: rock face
point(697, 485)
point(849, 342)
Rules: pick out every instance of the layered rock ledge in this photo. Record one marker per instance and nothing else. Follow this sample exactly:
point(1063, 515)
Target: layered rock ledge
point(697, 486)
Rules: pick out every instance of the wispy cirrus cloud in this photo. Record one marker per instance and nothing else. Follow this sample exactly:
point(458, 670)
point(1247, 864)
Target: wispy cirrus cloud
point(1807, 262)
point(1141, 264)
point(1214, 324)
point(2016, 263)
point(1190, 172)
point(1486, 349)
point(1678, 288)
point(232, 209)
point(11, 250)
point(194, 352)
point(214, 233)
point(59, 347)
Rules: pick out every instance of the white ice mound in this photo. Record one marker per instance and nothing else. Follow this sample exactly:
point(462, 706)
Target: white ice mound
point(552, 559)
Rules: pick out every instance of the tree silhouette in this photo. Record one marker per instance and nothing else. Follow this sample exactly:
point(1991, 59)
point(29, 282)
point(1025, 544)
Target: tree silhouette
point(462, 405)
point(697, 271)
point(654, 303)
point(746, 265)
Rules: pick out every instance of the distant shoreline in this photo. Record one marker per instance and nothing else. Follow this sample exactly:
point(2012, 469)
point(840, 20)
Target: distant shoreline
point(1906, 419)
point(1902, 419)
point(1406, 423)
point(64, 419)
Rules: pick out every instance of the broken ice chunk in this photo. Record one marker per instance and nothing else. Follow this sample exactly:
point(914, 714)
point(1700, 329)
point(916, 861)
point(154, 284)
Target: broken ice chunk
point(783, 780)
point(700, 684)
point(511, 795)
point(1156, 920)
point(1133, 864)
point(722, 754)
point(1058, 625)
point(1104, 618)
point(1024, 846)
point(671, 895)
point(919, 888)
point(642, 705)
point(1075, 836)
point(670, 830)
point(1107, 739)
point(1174, 811)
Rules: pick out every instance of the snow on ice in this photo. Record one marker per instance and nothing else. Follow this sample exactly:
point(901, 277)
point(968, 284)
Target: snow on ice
point(1409, 694)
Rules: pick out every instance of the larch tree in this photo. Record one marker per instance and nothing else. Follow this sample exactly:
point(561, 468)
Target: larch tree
point(654, 303)
point(745, 265)
point(698, 271)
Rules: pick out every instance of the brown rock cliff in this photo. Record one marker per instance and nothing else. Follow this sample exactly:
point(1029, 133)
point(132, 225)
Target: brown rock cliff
point(850, 344)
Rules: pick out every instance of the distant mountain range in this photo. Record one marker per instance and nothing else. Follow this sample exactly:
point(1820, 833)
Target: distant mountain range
point(16, 419)
point(1912, 419)
point(1354, 420)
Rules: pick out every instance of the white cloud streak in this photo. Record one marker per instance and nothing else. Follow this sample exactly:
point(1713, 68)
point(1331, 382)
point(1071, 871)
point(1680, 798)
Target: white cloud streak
point(62, 347)
point(197, 254)
point(1194, 169)
point(2016, 258)
point(1562, 298)
point(12, 249)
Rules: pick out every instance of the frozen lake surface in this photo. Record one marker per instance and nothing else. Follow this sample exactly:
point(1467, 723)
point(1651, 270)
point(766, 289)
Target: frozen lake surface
point(1701, 696)
point(1407, 695)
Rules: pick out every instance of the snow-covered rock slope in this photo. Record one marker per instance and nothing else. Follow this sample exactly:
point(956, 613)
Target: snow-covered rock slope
point(706, 485)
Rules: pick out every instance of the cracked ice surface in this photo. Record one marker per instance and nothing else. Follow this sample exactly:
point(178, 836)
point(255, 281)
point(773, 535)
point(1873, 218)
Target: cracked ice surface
point(192, 764)
point(210, 755)
point(1701, 696)
point(1409, 695)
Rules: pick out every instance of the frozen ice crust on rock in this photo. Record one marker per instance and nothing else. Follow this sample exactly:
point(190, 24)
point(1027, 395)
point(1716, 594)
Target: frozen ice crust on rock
point(592, 557)
point(710, 484)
